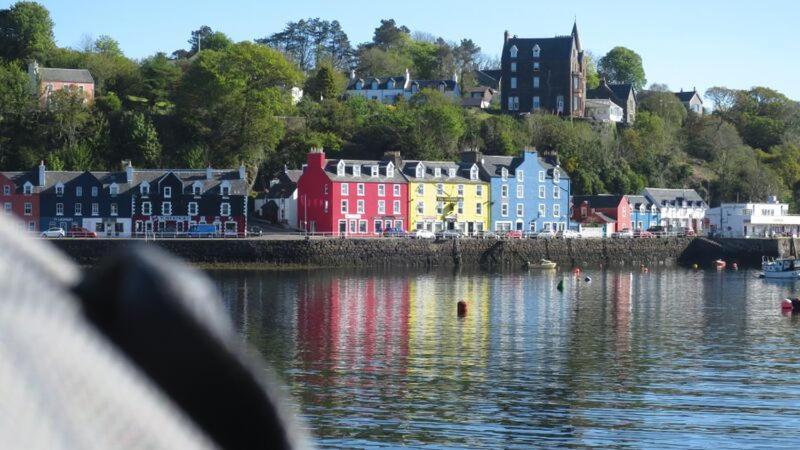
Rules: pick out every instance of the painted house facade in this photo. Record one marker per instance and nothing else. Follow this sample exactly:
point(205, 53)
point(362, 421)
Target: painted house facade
point(389, 89)
point(351, 197)
point(644, 213)
point(279, 203)
point(623, 95)
point(445, 195)
point(691, 100)
point(19, 196)
point(528, 193)
point(44, 81)
point(615, 207)
point(679, 208)
point(753, 220)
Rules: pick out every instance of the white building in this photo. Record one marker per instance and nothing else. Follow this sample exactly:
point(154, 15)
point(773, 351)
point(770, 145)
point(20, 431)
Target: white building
point(680, 208)
point(746, 220)
point(602, 110)
point(389, 89)
point(279, 203)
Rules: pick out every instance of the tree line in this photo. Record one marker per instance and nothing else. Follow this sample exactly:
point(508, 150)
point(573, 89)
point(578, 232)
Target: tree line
point(220, 102)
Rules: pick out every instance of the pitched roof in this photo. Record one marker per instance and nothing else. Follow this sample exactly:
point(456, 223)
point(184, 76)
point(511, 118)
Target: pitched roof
point(617, 93)
point(65, 75)
point(489, 78)
point(687, 96)
point(598, 201)
point(637, 200)
point(366, 171)
point(462, 172)
point(675, 197)
point(399, 82)
point(560, 46)
point(494, 165)
point(286, 185)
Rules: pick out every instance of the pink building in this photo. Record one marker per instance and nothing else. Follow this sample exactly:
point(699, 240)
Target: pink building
point(44, 81)
point(351, 197)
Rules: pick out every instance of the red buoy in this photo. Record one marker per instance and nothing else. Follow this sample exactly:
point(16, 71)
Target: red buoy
point(576, 271)
point(462, 308)
point(786, 304)
point(735, 266)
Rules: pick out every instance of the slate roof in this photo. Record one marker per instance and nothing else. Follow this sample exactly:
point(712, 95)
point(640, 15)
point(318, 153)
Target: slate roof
point(598, 201)
point(366, 171)
point(65, 75)
point(617, 93)
point(286, 185)
point(489, 78)
point(399, 82)
point(674, 197)
point(20, 178)
point(493, 165)
point(560, 46)
point(462, 172)
point(686, 96)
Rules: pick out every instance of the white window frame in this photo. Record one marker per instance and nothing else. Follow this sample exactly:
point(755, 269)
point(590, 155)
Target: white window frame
point(166, 208)
point(504, 209)
point(28, 208)
point(113, 209)
point(360, 189)
point(536, 51)
point(437, 172)
point(520, 210)
point(95, 209)
point(419, 171)
point(556, 210)
point(78, 209)
point(542, 192)
point(479, 208)
point(420, 208)
point(396, 207)
point(345, 189)
point(144, 189)
point(396, 190)
point(78, 191)
point(439, 207)
point(147, 209)
point(225, 189)
point(360, 207)
point(513, 82)
point(460, 190)
point(345, 207)
point(192, 209)
point(225, 209)
point(460, 206)
point(167, 191)
point(59, 209)
point(451, 173)
point(381, 206)
point(27, 189)
point(479, 190)
point(541, 176)
point(340, 169)
point(440, 189)
point(513, 51)
point(542, 210)
point(420, 189)
point(381, 190)
point(59, 189)
point(113, 189)
point(374, 171)
point(513, 67)
point(556, 192)
point(356, 170)
point(504, 191)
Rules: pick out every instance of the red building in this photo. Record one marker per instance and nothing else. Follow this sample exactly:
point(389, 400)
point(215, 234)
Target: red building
point(19, 195)
point(351, 197)
point(586, 207)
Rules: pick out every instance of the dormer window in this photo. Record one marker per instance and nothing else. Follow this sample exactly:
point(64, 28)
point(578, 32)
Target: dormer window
point(59, 189)
point(374, 171)
point(27, 189)
point(340, 169)
point(356, 170)
point(420, 171)
point(225, 189)
point(473, 173)
point(78, 191)
point(451, 173)
point(536, 51)
point(556, 175)
point(437, 172)
point(167, 192)
point(144, 189)
point(504, 174)
point(113, 189)
point(513, 51)
point(374, 85)
point(390, 170)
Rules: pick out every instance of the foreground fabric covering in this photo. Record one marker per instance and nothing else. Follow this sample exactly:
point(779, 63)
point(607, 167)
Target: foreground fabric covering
point(137, 354)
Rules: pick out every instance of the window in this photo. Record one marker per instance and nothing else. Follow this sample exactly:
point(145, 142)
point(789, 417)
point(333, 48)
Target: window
point(536, 51)
point(420, 208)
point(575, 82)
point(378, 226)
point(556, 192)
point(31, 226)
point(504, 209)
point(536, 66)
point(479, 208)
point(381, 190)
point(6, 190)
point(325, 189)
point(519, 175)
point(166, 208)
point(225, 190)
point(59, 189)
point(225, 209)
point(381, 206)
point(360, 189)
point(473, 173)
point(28, 209)
point(575, 103)
point(542, 210)
point(396, 207)
point(390, 170)
point(396, 190)
point(340, 169)
point(560, 104)
point(451, 173)
point(520, 210)
point(556, 175)
point(59, 209)
point(360, 207)
point(344, 207)
point(167, 192)
point(504, 191)
point(513, 51)
point(7, 207)
point(95, 209)
point(479, 190)
point(556, 210)
point(440, 189)
point(362, 226)
point(27, 189)
point(536, 82)
point(520, 191)
point(144, 189)
point(345, 189)
point(147, 208)
point(513, 103)
point(78, 191)
point(113, 189)
point(537, 102)
point(356, 170)
point(439, 207)
point(460, 190)
point(542, 193)
point(374, 171)
point(437, 172)
point(420, 189)
point(192, 209)
point(461, 207)
point(114, 209)
point(196, 189)
point(420, 171)
point(513, 67)
point(513, 82)
point(78, 209)
point(541, 176)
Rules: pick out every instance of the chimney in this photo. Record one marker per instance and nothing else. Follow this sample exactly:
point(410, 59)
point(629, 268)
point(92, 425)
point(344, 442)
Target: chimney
point(128, 171)
point(472, 156)
point(407, 83)
point(455, 76)
point(42, 171)
point(242, 172)
point(505, 36)
point(209, 173)
point(353, 74)
point(316, 158)
point(394, 157)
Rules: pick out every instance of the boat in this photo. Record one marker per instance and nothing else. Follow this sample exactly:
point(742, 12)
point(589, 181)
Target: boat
point(542, 264)
point(719, 264)
point(780, 268)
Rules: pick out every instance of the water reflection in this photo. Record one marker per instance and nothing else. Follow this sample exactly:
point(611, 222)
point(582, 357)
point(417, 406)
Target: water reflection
point(670, 358)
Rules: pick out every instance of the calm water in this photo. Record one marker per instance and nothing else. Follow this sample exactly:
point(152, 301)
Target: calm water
point(674, 358)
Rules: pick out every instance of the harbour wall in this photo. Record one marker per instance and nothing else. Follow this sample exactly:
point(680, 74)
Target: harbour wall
point(449, 253)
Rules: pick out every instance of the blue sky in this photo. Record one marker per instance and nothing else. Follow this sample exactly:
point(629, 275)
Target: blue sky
point(684, 44)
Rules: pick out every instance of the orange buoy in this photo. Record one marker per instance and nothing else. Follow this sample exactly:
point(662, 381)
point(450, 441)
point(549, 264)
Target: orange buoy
point(462, 308)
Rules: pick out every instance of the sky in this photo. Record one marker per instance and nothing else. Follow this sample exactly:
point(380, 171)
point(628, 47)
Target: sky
point(684, 44)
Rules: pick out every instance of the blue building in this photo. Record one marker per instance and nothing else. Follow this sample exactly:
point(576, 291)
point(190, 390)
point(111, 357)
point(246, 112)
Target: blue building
point(644, 213)
point(528, 192)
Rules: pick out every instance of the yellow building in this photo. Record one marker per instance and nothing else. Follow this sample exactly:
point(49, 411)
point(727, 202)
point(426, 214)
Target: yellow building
point(444, 195)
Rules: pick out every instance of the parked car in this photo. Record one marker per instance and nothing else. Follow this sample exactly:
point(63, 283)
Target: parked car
point(394, 232)
point(657, 230)
point(643, 234)
point(687, 231)
point(255, 231)
point(530, 234)
point(625, 233)
point(490, 235)
point(423, 234)
point(80, 232)
point(547, 234)
point(202, 230)
point(513, 234)
point(54, 232)
point(568, 234)
point(450, 234)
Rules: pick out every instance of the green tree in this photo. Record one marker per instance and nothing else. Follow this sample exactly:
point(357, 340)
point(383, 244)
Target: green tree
point(389, 35)
point(15, 95)
point(324, 83)
point(308, 42)
point(107, 45)
point(159, 76)
point(26, 32)
point(141, 140)
point(623, 65)
point(377, 62)
point(666, 106)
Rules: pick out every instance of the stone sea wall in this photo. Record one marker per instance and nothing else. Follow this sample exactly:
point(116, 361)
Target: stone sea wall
point(404, 252)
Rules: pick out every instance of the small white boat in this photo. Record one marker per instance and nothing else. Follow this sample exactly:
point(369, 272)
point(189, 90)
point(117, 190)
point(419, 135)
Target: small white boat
point(543, 264)
point(780, 268)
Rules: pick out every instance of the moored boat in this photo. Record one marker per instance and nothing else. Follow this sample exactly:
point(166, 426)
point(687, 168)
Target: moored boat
point(543, 264)
point(780, 268)
point(720, 264)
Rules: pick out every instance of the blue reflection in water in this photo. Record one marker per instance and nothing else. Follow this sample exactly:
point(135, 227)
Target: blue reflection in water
point(670, 358)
